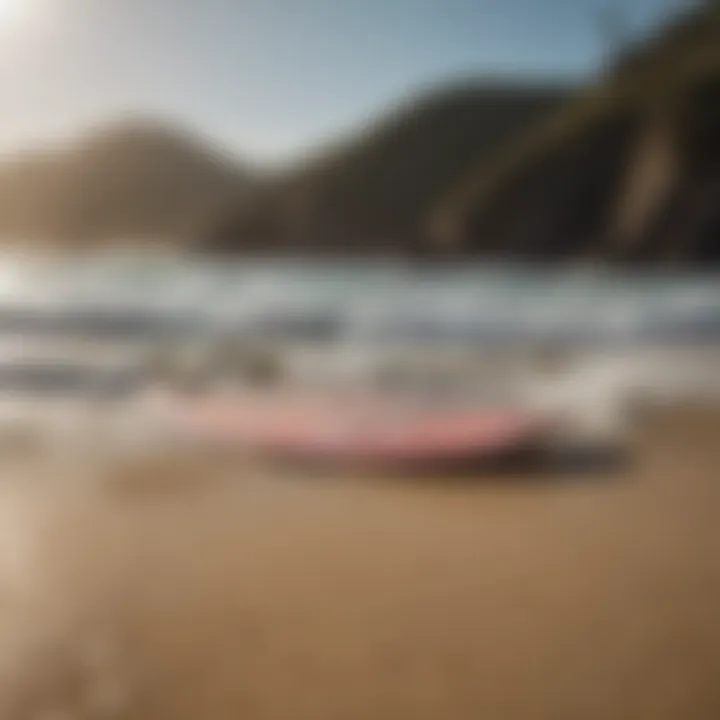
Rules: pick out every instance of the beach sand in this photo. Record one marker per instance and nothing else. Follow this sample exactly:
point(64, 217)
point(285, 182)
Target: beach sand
point(207, 589)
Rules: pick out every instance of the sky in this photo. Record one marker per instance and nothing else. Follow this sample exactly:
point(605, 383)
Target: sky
point(268, 79)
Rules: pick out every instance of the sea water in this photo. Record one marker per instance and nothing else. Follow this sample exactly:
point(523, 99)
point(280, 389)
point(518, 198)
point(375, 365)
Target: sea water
point(384, 302)
point(106, 308)
point(625, 333)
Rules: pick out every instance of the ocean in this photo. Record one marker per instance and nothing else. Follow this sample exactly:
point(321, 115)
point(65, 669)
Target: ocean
point(76, 334)
point(146, 299)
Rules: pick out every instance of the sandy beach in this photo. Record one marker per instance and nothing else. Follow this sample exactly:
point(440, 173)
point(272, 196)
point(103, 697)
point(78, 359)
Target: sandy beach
point(193, 587)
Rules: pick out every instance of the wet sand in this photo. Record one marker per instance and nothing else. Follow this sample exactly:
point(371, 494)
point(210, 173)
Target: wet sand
point(205, 589)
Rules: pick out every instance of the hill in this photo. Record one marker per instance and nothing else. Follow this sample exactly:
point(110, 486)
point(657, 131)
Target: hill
point(137, 181)
point(372, 192)
point(625, 169)
point(628, 171)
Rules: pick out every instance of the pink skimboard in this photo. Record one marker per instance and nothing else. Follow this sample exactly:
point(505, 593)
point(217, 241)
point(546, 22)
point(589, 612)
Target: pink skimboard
point(360, 432)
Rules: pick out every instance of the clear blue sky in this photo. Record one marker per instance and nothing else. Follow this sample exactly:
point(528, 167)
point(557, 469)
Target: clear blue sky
point(268, 78)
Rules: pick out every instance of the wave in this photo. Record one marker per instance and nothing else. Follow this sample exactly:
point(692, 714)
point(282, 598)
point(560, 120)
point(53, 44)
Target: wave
point(145, 300)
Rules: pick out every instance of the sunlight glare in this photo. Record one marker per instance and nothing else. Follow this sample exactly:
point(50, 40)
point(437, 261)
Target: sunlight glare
point(13, 11)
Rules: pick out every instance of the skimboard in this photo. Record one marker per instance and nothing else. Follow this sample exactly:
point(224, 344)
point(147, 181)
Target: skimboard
point(359, 432)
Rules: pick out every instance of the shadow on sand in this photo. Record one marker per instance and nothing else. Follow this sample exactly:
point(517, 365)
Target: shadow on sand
point(589, 465)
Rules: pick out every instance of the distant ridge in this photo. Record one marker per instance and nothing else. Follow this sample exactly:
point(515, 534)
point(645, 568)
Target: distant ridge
point(371, 193)
point(140, 180)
